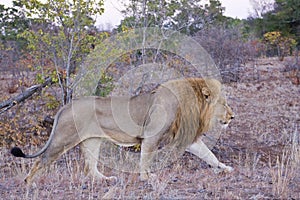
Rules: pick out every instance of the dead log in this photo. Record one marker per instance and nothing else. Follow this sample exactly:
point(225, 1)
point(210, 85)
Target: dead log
point(6, 105)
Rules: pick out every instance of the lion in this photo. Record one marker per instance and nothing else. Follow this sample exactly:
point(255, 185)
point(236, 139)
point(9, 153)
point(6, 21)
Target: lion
point(178, 112)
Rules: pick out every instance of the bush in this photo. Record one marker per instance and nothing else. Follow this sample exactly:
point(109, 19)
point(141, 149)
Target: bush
point(279, 45)
point(228, 49)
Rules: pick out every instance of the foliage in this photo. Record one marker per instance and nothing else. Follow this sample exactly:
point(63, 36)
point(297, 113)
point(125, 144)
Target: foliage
point(12, 22)
point(283, 45)
point(51, 103)
point(186, 16)
point(61, 32)
point(283, 18)
point(58, 35)
point(287, 14)
point(105, 85)
point(23, 124)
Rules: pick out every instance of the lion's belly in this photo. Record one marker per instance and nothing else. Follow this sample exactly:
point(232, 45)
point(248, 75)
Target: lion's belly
point(121, 138)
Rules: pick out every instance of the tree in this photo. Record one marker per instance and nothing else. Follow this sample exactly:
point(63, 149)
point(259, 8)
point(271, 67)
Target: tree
point(283, 17)
point(12, 22)
point(190, 17)
point(261, 7)
point(61, 32)
point(282, 45)
point(186, 16)
point(288, 15)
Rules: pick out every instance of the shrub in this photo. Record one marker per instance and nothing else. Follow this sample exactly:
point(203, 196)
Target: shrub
point(228, 48)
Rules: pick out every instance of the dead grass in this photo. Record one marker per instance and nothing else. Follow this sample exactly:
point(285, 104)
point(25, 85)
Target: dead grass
point(262, 144)
point(286, 168)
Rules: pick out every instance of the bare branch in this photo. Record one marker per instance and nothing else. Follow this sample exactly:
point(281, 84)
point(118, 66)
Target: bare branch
point(6, 105)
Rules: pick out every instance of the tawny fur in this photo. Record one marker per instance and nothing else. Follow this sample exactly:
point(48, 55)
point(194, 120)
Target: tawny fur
point(197, 98)
point(179, 110)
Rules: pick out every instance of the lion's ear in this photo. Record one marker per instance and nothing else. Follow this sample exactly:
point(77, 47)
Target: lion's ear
point(206, 93)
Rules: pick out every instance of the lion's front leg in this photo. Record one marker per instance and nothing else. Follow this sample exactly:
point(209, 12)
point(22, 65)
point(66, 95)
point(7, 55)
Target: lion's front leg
point(201, 150)
point(147, 155)
point(148, 151)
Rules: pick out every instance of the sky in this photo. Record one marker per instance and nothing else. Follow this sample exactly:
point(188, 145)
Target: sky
point(112, 15)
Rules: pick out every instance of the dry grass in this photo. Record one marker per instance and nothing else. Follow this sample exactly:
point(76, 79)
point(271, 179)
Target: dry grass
point(188, 178)
point(262, 144)
point(286, 168)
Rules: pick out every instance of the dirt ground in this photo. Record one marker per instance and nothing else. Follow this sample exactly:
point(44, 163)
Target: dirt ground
point(262, 144)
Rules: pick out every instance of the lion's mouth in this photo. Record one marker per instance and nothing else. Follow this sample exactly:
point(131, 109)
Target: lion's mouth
point(224, 124)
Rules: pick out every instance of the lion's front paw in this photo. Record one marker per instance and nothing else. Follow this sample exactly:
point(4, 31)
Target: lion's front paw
point(112, 180)
point(228, 169)
point(223, 168)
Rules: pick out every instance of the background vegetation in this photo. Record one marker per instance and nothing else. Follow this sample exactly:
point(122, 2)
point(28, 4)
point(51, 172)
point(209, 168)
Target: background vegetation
point(42, 39)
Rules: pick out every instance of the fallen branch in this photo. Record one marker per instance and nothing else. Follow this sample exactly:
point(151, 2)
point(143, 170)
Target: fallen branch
point(6, 105)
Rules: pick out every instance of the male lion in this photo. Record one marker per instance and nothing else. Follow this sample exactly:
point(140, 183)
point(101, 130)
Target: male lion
point(178, 112)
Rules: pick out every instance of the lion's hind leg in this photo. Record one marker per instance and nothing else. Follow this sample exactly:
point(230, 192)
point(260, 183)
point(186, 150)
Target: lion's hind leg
point(201, 150)
point(56, 148)
point(91, 149)
point(51, 155)
point(35, 168)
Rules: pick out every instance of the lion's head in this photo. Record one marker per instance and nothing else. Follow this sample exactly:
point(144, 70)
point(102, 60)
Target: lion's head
point(196, 99)
point(223, 114)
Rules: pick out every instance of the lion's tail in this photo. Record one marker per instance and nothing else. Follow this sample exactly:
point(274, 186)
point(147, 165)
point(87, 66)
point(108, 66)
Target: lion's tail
point(17, 152)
